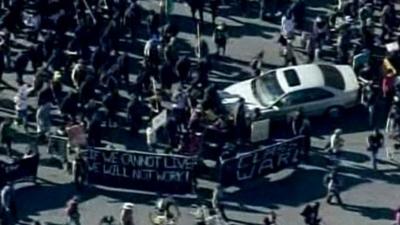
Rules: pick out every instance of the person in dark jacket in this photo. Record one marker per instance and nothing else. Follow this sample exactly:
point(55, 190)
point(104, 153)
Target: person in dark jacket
point(123, 66)
point(111, 103)
point(45, 96)
point(69, 107)
point(94, 129)
point(98, 58)
point(375, 141)
point(239, 122)
point(153, 23)
point(388, 21)
point(2, 59)
point(183, 68)
point(298, 9)
point(87, 90)
point(310, 214)
point(167, 76)
point(36, 57)
point(7, 134)
point(220, 37)
point(197, 6)
point(20, 66)
point(134, 115)
point(214, 5)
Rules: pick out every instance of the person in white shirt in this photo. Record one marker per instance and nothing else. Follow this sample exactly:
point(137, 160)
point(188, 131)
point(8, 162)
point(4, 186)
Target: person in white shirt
point(335, 146)
point(287, 26)
point(21, 104)
point(336, 141)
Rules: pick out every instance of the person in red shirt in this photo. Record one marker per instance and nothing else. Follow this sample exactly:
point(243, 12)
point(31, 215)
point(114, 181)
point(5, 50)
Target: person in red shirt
point(388, 84)
point(397, 216)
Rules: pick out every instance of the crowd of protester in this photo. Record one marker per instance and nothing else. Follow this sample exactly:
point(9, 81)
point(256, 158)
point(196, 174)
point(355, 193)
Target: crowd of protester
point(81, 63)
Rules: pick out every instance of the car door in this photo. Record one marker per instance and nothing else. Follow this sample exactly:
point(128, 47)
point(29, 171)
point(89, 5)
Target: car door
point(318, 101)
point(313, 101)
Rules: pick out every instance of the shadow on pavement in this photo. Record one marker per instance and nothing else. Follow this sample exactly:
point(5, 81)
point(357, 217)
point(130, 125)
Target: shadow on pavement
point(374, 213)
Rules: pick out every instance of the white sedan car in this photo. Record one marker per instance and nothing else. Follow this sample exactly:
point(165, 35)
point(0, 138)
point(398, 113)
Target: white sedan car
point(315, 88)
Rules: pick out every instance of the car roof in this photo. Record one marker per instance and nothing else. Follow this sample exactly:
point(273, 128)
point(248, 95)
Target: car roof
point(305, 76)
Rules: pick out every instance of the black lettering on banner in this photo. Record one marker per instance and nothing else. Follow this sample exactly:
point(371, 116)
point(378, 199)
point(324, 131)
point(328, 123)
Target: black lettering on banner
point(259, 163)
point(25, 168)
point(143, 171)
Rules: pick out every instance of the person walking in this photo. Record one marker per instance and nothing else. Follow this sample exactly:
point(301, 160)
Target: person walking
point(166, 8)
point(310, 214)
point(288, 26)
point(214, 5)
point(220, 37)
point(388, 88)
point(216, 200)
point(21, 104)
point(7, 134)
point(197, 5)
point(7, 204)
point(268, 9)
point(20, 65)
point(270, 218)
point(288, 54)
point(2, 58)
point(43, 119)
point(388, 22)
point(375, 141)
point(126, 216)
point(333, 184)
point(239, 121)
point(335, 146)
point(397, 216)
point(72, 212)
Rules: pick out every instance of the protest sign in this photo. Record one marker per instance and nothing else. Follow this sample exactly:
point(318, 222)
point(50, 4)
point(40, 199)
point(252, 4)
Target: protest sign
point(159, 120)
point(392, 47)
point(251, 165)
point(57, 147)
point(25, 168)
point(142, 171)
point(260, 130)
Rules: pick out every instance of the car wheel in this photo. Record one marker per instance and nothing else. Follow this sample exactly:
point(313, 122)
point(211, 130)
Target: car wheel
point(335, 112)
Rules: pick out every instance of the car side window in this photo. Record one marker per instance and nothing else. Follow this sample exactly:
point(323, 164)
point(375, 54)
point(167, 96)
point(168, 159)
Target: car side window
point(294, 98)
point(317, 94)
point(304, 96)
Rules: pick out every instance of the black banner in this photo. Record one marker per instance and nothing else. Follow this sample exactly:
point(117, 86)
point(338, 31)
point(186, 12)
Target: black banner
point(142, 171)
point(19, 170)
point(255, 164)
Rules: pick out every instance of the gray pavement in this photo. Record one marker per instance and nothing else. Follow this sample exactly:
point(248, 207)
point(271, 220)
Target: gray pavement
point(370, 196)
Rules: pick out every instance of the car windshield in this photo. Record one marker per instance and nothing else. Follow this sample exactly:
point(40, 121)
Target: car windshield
point(267, 89)
point(332, 77)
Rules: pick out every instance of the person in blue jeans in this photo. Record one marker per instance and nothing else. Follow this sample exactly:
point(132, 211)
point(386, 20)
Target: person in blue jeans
point(375, 142)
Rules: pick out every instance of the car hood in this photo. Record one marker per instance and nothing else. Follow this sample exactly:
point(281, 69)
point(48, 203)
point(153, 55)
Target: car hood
point(243, 90)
